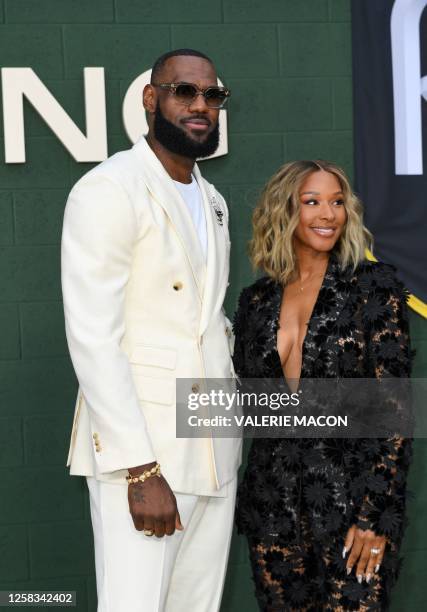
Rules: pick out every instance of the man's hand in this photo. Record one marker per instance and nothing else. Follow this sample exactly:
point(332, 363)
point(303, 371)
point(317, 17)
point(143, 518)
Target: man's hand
point(367, 549)
point(152, 504)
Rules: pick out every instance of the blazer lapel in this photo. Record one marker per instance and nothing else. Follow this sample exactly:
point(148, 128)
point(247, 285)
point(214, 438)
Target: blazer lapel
point(216, 259)
point(163, 191)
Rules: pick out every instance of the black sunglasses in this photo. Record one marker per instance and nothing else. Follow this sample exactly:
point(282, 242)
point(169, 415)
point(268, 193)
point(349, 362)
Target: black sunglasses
point(186, 93)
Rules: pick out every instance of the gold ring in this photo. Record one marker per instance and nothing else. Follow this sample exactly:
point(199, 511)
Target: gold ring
point(149, 532)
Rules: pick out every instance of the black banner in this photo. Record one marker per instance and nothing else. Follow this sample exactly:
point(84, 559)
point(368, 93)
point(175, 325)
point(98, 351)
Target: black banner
point(390, 133)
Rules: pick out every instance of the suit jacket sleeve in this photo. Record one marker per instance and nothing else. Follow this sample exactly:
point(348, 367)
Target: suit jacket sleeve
point(390, 355)
point(100, 228)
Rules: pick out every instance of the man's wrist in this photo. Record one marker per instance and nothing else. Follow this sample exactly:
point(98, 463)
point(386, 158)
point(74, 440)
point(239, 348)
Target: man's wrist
point(147, 473)
point(140, 469)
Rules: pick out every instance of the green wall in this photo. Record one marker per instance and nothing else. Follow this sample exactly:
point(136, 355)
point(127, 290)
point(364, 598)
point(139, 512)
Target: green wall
point(288, 63)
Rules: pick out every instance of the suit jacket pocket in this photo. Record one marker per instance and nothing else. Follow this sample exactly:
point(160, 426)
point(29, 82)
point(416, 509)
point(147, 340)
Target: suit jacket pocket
point(155, 390)
point(156, 356)
point(153, 373)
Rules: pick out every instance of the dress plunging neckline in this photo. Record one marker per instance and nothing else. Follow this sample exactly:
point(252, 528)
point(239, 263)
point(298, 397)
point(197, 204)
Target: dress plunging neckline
point(308, 325)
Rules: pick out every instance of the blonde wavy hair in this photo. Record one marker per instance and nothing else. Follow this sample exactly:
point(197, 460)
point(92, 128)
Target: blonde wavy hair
point(276, 217)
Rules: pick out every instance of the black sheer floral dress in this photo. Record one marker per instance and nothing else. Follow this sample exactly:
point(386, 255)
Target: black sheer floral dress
point(299, 497)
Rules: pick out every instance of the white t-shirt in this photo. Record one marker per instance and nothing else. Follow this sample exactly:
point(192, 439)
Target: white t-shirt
point(192, 196)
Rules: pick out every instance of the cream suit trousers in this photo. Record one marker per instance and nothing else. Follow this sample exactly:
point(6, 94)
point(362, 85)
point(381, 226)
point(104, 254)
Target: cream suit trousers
point(180, 573)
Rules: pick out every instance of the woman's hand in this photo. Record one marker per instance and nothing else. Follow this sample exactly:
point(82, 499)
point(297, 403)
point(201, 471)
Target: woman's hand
point(365, 548)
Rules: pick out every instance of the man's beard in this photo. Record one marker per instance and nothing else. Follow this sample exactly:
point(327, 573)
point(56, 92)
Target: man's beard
point(175, 140)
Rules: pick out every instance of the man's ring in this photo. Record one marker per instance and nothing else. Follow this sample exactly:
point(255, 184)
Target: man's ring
point(375, 551)
point(148, 532)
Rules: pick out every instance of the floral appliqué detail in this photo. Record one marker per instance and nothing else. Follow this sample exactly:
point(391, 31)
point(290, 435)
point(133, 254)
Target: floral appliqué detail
point(298, 497)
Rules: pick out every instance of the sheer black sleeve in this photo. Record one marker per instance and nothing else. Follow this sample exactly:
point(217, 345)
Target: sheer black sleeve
point(239, 330)
point(386, 320)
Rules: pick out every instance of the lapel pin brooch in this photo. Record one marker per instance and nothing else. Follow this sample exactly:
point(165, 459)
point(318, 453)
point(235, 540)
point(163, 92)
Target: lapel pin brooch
point(217, 210)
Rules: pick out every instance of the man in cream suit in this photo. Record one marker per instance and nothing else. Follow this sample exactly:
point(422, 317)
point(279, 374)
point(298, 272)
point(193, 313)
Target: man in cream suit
point(145, 261)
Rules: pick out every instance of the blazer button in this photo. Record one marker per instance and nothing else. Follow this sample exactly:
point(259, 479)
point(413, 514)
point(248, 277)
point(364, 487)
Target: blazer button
point(228, 332)
point(177, 286)
point(95, 436)
point(195, 388)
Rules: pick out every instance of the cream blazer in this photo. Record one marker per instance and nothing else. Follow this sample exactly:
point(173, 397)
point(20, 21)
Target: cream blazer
point(142, 309)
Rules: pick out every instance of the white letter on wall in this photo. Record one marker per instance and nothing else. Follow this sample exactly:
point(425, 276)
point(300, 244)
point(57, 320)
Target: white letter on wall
point(20, 82)
point(407, 85)
point(136, 124)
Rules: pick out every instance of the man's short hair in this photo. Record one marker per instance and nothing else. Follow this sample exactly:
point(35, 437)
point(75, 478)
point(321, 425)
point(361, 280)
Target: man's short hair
point(161, 61)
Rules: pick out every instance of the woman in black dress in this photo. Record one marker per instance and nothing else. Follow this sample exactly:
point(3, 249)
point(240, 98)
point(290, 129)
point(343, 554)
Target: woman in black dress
point(324, 517)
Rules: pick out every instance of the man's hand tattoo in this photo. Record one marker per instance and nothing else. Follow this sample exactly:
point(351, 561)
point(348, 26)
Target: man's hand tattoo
point(137, 495)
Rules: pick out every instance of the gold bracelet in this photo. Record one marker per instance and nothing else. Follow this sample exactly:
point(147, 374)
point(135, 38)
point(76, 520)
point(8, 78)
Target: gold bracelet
point(154, 471)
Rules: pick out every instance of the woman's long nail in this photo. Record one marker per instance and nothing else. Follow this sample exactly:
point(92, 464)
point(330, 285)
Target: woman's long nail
point(344, 552)
point(359, 578)
point(368, 578)
point(377, 567)
point(348, 571)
